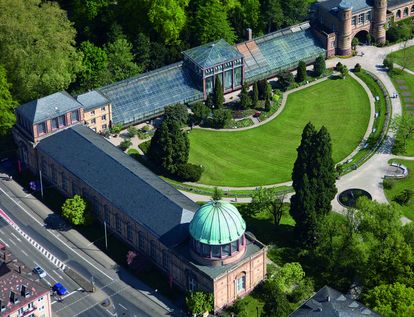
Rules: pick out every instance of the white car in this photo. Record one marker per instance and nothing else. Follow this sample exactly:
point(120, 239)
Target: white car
point(39, 271)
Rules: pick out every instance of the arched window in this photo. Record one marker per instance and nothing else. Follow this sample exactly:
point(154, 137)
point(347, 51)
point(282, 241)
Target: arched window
point(398, 14)
point(240, 283)
point(406, 12)
point(412, 9)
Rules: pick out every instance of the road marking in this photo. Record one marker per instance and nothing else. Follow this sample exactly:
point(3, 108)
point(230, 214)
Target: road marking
point(67, 295)
point(1, 231)
point(122, 306)
point(24, 252)
point(48, 283)
point(7, 245)
point(17, 238)
point(63, 242)
point(60, 276)
point(11, 241)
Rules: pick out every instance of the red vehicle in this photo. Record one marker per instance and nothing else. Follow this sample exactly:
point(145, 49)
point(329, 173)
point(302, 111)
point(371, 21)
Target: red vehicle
point(257, 114)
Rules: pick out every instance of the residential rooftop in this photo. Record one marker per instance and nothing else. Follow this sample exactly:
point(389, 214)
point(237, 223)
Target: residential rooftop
point(355, 5)
point(92, 100)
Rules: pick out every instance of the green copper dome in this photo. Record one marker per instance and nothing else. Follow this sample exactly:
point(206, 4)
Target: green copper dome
point(217, 223)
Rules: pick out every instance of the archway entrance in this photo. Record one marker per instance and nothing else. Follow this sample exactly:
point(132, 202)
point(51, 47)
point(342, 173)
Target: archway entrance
point(362, 37)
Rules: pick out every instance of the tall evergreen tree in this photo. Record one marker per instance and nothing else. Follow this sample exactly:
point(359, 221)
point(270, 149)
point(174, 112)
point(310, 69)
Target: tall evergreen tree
point(245, 100)
point(255, 97)
point(218, 94)
point(313, 179)
point(301, 72)
point(320, 66)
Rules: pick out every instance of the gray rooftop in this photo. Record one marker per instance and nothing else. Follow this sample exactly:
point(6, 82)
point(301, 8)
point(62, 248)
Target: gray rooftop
point(328, 302)
point(48, 107)
point(92, 100)
point(356, 5)
point(211, 54)
point(127, 184)
point(145, 96)
point(396, 3)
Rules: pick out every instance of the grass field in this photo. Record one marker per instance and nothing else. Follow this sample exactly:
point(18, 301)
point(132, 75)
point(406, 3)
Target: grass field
point(265, 155)
point(404, 57)
point(400, 185)
point(409, 82)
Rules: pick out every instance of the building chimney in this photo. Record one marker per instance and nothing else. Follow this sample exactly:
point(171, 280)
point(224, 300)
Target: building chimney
point(249, 34)
point(24, 291)
point(328, 298)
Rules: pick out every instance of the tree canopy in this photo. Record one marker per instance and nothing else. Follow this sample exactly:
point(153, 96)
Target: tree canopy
point(74, 210)
point(40, 57)
point(7, 104)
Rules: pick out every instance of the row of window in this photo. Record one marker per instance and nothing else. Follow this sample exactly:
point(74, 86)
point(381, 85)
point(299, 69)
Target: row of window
point(57, 122)
point(361, 18)
point(220, 68)
point(102, 109)
point(218, 251)
point(405, 12)
point(228, 81)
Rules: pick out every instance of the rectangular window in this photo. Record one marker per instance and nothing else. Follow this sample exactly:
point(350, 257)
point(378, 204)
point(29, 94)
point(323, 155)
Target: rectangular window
point(104, 126)
point(55, 123)
point(354, 20)
point(228, 79)
point(93, 112)
point(62, 121)
point(117, 223)
point(129, 232)
point(54, 174)
point(361, 18)
point(43, 167)
point(41, 128)
point(103, 108)
point(64, 183)
point(165, 259)
point(104, 117)
point(141, 241)
point(238, 76)
point(368, 16)
point(209, 84)
point(93, 121)
point(74, 116)
point(241, 284)
point(153, 250)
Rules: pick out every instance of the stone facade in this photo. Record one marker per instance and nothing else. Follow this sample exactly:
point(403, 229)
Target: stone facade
point(337, 24)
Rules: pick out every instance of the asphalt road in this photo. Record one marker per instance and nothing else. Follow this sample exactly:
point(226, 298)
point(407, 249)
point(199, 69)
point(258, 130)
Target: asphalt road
point(124, 299)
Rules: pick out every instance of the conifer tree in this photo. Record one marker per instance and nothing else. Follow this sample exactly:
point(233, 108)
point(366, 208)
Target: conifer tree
point(245, 100)
point(301, 72)
point(255, 97)
point(218, 94)
point(320, 66)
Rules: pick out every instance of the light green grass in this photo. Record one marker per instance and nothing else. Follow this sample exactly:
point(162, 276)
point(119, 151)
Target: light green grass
point(409, 81)
point(265, 155)
point(404, 57)
point(400, 185)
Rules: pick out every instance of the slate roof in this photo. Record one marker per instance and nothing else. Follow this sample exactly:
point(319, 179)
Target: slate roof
point(396, 3)
point(48, 107)
point(92, 100)
point(145, 96)
point(328, 302)
point(357, 5)
point(127, 184)
point(211, 54)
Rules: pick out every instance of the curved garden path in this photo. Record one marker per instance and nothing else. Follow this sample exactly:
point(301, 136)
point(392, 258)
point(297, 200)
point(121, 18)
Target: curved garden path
point(370, 175)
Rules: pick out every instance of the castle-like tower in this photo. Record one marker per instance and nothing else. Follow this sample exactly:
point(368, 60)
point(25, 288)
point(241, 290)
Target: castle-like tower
point(344, 35)
point(380, 18)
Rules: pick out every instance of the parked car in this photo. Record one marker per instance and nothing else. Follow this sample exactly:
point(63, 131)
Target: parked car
point(59, 289)
point(257, 114)
point(39, 271)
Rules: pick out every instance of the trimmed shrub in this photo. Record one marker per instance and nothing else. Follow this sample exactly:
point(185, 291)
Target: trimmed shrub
point(125, 144)
point(388, 183)
point(189, 172)
point(404, 197)
point(338, 66)
point(144, 146)
point(357, 68)
point(132, 131)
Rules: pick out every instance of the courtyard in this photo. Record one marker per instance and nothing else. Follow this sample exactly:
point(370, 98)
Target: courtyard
point(265, 155)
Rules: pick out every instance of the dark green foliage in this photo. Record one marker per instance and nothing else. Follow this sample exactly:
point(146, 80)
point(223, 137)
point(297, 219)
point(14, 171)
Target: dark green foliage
point(132, 131)
point(199, 302)
point(269, 200)
point(301, 72)
point(94, 71)
point(400, 32)
point(125, 144)
point(217, 194)
point(389, 63)
point(200, 112)
point(313, 179)
point(339, 66)
point(262, 86)
point(209, 101)
point(142, 51)
point(388, 183)
point(357, 68)
point(267, 105)
point(115, 129)
point(285, 79)
point(221, 118)
point(218, 94)
point(7, 104)
point(144, 146)
point(319, 67)
point(245, 100)
point(404, 197)
point(354, 43)
point(120, 60)
point(344, 71)
point(268, 92)
point(177, 113)
point(189, 172)
point(255, 95)
point(169, 146)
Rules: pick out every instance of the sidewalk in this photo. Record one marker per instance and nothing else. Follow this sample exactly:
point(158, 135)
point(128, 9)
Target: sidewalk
point(85, 248)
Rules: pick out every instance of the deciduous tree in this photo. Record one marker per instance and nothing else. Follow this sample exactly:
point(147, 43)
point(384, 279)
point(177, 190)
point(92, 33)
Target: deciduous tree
point(37, 47)
point(270, 200)
point(403, 125)
point(74, 210)
point(7, 104)
point(121, 60)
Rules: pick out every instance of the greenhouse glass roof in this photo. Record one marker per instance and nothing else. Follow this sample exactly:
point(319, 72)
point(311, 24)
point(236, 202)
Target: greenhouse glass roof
point(211, 54)
point(267, 55)
point(145, 96)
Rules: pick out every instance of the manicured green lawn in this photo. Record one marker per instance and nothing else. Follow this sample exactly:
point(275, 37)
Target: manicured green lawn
point(400, 185)
point(409, 82)
point(405, 56)
point(265, 155)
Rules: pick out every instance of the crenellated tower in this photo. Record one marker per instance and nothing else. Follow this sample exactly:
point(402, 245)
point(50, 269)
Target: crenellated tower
point(380, 18)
